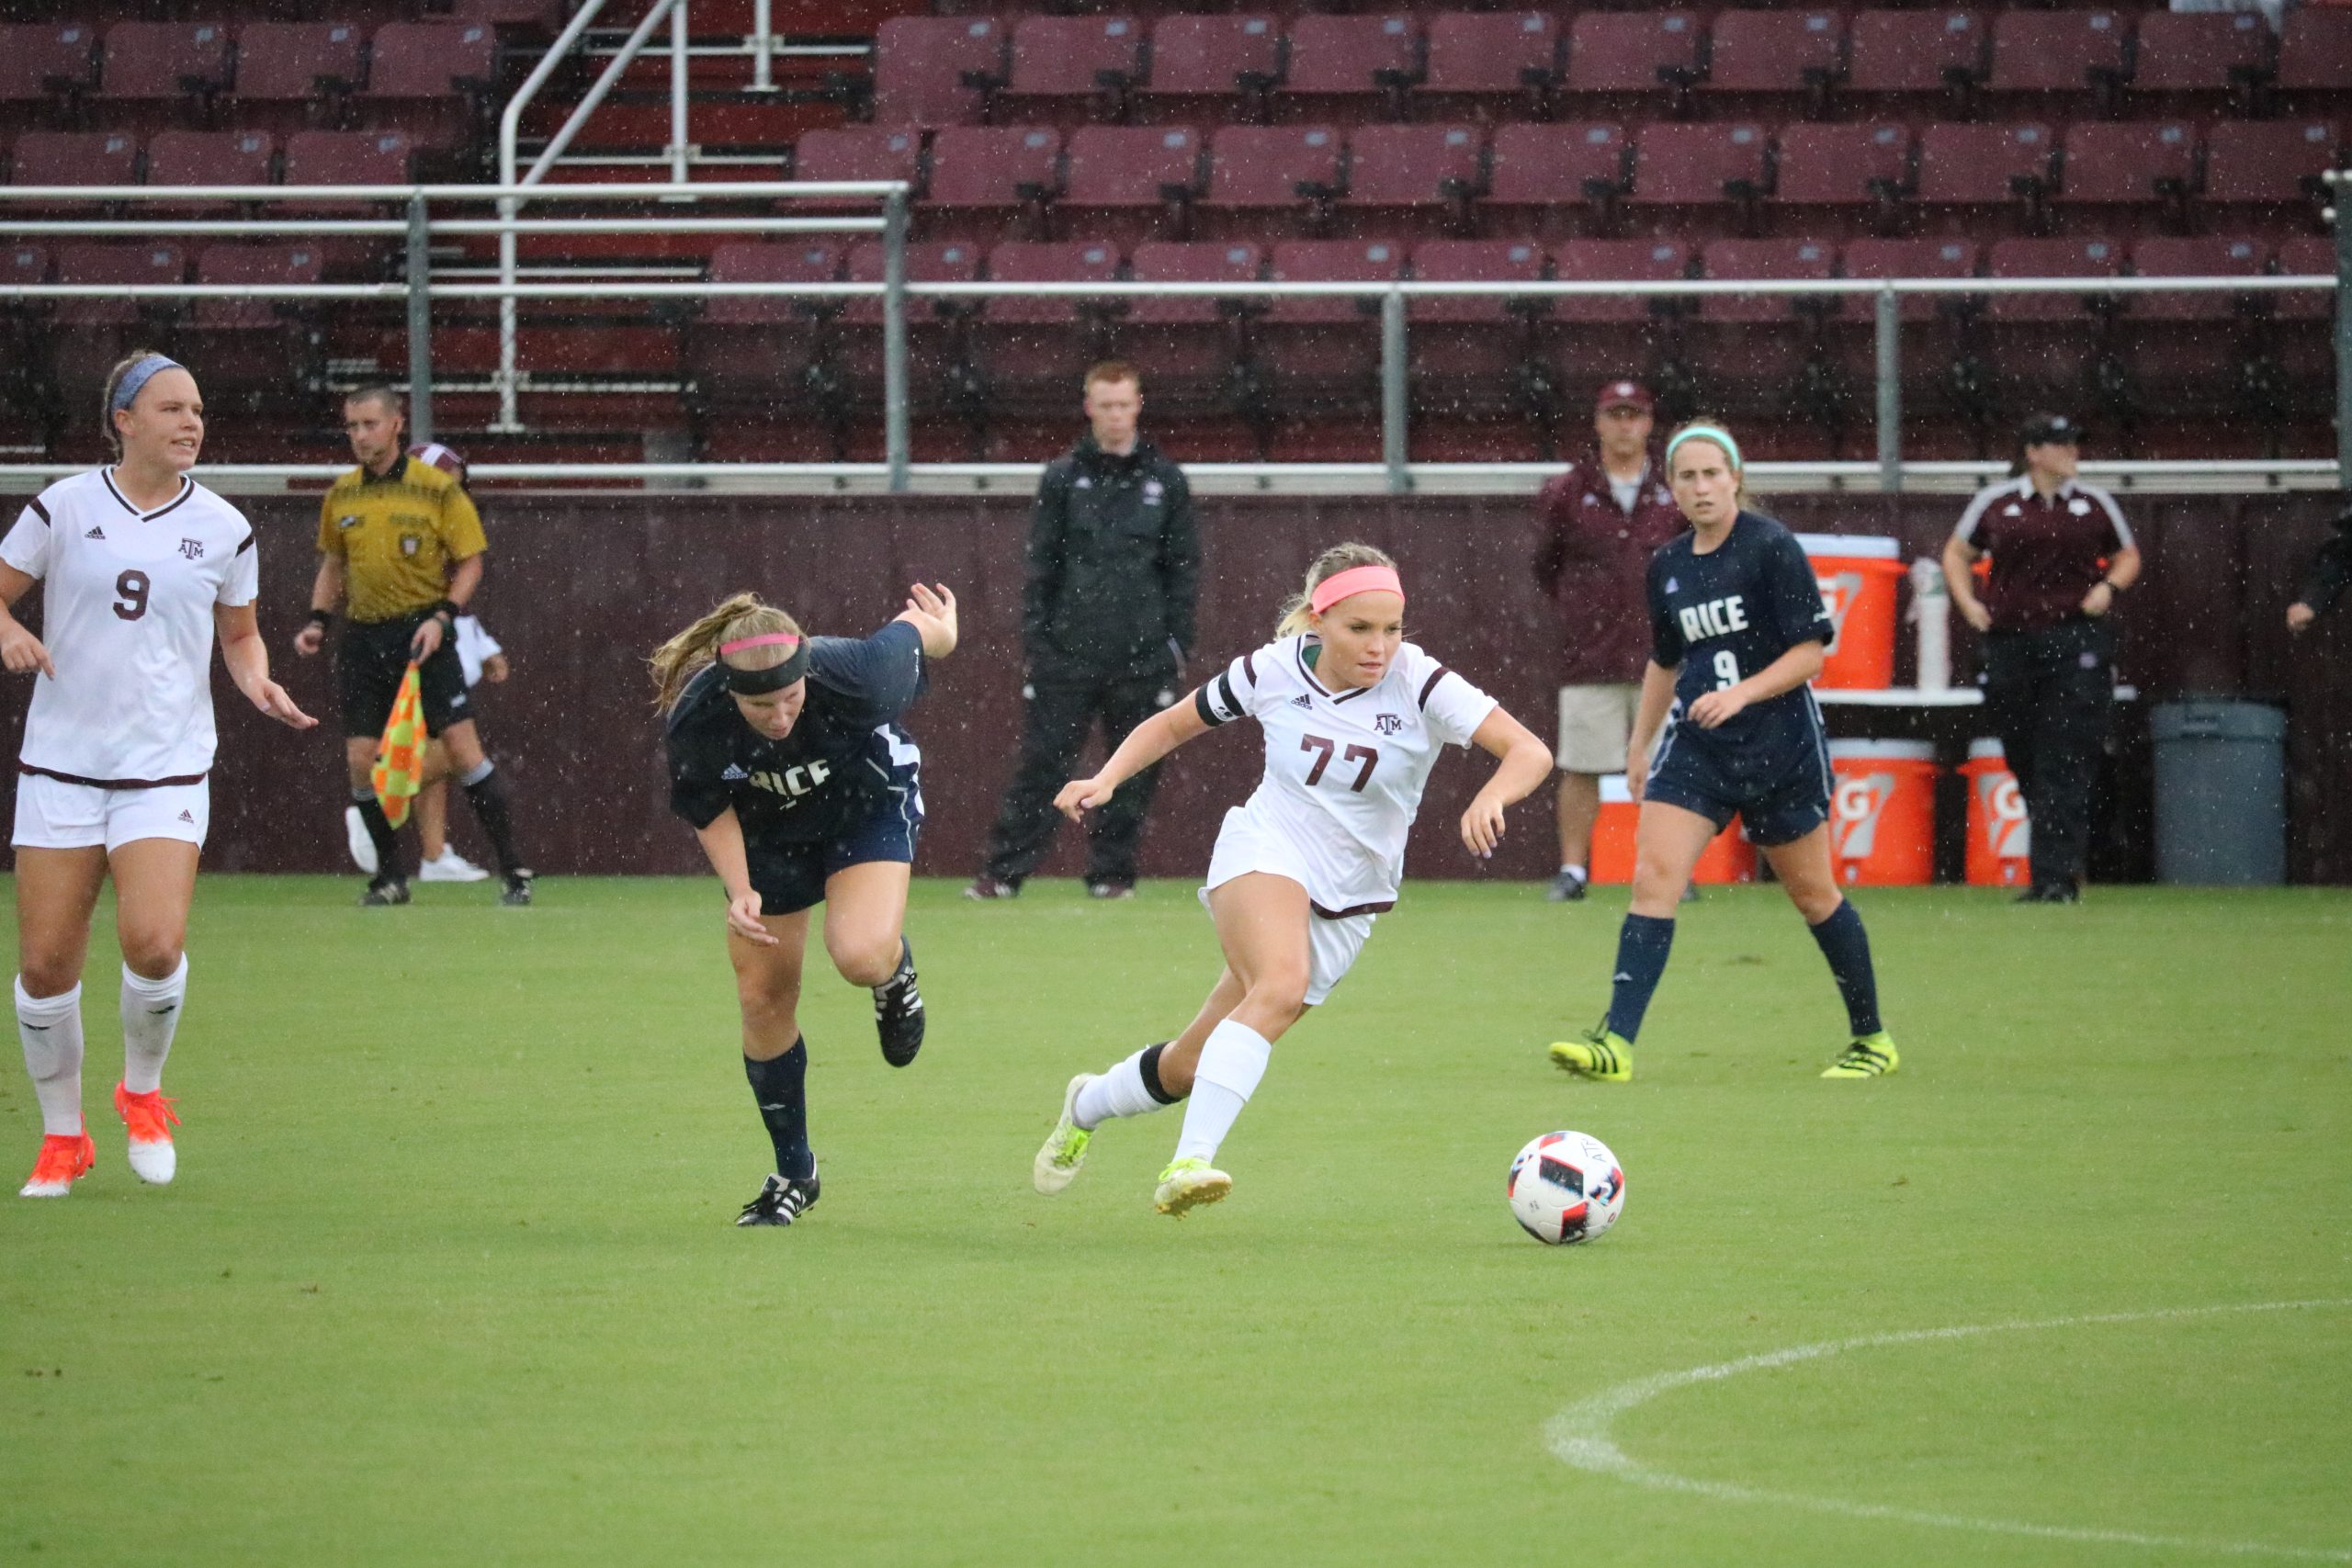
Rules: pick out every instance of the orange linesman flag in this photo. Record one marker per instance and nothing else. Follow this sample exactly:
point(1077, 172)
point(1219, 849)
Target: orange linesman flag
point(399, 756)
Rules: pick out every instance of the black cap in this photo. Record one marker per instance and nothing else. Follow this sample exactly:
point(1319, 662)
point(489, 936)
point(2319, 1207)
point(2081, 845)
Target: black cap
point(2044, 429)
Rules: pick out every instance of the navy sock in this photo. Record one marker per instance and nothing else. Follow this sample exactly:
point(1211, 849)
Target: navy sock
point(1641, 946)
point(779, 1088)
point(1847, 947)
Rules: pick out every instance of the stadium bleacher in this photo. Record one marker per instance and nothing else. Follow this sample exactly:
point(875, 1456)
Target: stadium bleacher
point(1161, 142)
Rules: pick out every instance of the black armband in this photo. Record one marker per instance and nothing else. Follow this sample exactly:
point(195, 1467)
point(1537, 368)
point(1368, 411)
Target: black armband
point(446, 608)
point(322, 619)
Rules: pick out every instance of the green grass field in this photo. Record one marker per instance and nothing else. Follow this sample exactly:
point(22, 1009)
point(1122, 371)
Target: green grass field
point(448, 1275)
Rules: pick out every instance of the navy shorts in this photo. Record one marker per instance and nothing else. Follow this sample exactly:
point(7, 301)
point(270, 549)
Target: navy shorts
point(1779, 792)
point(791, 878)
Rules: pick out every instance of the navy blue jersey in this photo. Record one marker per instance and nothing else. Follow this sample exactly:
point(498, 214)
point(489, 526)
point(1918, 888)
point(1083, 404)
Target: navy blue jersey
point(1723, 615)
point(823, 778)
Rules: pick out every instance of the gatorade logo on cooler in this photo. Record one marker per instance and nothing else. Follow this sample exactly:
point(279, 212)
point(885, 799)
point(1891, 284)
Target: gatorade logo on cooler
point(1838, 591)
point(1854, 815)
point(2008, 833)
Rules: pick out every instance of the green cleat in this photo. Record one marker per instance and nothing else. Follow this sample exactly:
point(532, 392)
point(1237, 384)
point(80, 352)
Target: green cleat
point(1871, 1057)
point(1602, 1055)
point(1188, 1183)
point(1065, 1146)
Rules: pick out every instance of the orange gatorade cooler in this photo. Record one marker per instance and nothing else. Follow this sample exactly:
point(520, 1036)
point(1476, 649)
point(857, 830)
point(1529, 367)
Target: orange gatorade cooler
point(1882, 814)
point(2000, 840)
point(1857, 574)
point(1728, 858)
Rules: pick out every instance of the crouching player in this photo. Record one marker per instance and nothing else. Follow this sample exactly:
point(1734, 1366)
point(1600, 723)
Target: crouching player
point(1353, 718)
point(787, 757)
point(1736, 630)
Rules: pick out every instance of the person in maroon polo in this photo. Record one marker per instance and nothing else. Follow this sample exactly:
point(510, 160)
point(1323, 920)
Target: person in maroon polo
point(2061, 554)
point(1604, 516)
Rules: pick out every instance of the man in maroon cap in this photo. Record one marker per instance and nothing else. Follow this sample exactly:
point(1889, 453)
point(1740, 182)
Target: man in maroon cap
point(1603, 518)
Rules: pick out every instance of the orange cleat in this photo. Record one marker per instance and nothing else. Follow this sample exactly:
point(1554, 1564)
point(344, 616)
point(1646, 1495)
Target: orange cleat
point(149, 1119)
point(64, 1161)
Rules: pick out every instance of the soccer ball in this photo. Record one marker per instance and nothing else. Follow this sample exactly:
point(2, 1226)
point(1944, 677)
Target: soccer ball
point(1565, 1186)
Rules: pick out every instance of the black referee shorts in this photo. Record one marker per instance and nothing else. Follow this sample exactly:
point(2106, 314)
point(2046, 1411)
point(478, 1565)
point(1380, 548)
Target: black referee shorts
point(368, 667)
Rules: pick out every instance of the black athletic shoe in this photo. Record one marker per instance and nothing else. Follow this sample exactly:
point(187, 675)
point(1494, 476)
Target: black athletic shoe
point(992, 887)
point(1566, 887)
point(780, 1201)
point(2052, 893)
point(1110, 889)
point(518, 890)
point(384, 892)
point(897, 1010)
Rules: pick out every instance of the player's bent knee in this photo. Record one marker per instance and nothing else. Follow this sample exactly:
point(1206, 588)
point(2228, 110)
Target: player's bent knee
point(867, 962)
point(152, 957)
point(47, 975)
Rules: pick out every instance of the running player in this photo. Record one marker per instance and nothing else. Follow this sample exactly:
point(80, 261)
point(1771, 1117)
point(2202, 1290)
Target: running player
point(787, 757)
point(140, 566)
point(1736, 630)
point(1353, 718)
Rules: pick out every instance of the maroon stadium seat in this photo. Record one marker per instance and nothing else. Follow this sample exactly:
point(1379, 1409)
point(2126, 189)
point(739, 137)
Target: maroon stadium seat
point(1409, 175)
point(1192, 347)
point(1698, 165)
point(2050, 258)
point(208, 158)
point(1336, 61)
point(2305, 256)
point(937, 351)
point(540, 16)
point(941, 261)
point(146, 262)
point(2058, 52)
point(1842, 165)
point(40, 60)
point(1912, 258)
point(1331, 261)
point(1471, 368)
point(2194, 364)
point(1914, 52)
point(1000, 167)
point(1130, 182)
point(756, 350)
point(1542, 175)
point(1073, 261)
point(1192, 260)
point(1324, 352)
point(2268, 169)
point(1750, 352)
point(74, 158)
point(1259, 169)
point(1032, 351)
point(2045, 348)
point(859, 153)
point(1061, 64)
point(431, 59)
point(257, 353)
point(2122, 162)
point(347, 158)
point(756, 261)
point(165, 60)
point(293, 260)
point(1767, 260)
point(1491, 56)
point(23, 262)
point(295, 61)
point(1200, 64)
point(2198, 51)
point(1625, 260)
point(1633, 51)
point(2205, 257)
point(1498, 261)
point(1983, 165)
point(2315, 51)
point(2299, 354)
point(1587, 340)
point(921, 65)
point(1776, 51)
point(1938, 374)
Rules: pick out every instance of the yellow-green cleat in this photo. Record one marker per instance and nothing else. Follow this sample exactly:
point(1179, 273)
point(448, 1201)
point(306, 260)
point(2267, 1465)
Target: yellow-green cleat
point(1065, 1146)
point(1602, 1054)
point(1870, 1057)
point(1188, 1184)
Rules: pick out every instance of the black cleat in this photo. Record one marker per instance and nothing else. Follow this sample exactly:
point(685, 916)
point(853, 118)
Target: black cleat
point(989, 888)
point(518, 890)
point(1566, 887)
point(1109, 887)
point(385, 891)
point(781, 1202)
point(897, 1010)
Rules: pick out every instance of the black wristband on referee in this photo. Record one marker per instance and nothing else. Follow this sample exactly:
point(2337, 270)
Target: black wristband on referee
point(447, 609)
point(322, 619)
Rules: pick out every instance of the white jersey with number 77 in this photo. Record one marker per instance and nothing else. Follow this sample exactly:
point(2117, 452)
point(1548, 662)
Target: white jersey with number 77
point(1345, 768)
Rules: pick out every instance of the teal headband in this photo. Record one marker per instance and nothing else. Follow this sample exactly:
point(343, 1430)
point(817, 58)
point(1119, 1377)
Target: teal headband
point(1715, 434)
point(125, 391)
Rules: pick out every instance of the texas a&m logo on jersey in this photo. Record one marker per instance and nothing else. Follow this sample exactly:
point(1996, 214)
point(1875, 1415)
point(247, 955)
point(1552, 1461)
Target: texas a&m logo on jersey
point(1388, 724)
point(192, 549)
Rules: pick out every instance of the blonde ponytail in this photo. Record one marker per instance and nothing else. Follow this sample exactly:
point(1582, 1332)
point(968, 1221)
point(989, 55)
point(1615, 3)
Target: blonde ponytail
point(1330, 563)
point(677, 661)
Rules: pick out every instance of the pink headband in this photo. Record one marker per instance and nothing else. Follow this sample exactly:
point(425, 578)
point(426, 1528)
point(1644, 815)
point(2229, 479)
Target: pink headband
point(767, 640)
point(1355, 580)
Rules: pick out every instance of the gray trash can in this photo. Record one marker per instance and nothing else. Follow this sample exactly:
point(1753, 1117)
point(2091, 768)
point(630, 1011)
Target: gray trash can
point(2220, 794)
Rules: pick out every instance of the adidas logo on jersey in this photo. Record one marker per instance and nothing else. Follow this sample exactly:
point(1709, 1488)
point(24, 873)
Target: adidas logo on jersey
point(1302, 701)
point(733, 775)
point(187, 819)
point(95, 533)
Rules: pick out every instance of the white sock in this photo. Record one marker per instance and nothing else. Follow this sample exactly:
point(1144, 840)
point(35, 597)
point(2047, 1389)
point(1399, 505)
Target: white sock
point(1232, 1061)
point(1118, 1091)
point(1575, 870)
point(50, 1028)
point(150, 1015)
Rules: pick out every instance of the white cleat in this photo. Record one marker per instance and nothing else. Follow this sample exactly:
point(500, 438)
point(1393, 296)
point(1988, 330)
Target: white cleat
point(355, 834)
point(1188, 1184)
point(1065, 1148)
point(451, 867)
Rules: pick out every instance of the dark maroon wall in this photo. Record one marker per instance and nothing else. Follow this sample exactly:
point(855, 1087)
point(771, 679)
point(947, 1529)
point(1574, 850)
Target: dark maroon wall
point(581, 587)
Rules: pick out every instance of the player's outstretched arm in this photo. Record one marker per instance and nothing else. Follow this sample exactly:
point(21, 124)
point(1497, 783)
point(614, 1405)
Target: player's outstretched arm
point(247, 657)
point(1649, 718)
point(326, 592)
point(1145, 744)
point(931, 612)
point(1525, 762)
point(20, 651)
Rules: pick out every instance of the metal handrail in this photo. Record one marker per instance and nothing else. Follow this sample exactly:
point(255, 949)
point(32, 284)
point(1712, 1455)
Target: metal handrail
point(715, 190)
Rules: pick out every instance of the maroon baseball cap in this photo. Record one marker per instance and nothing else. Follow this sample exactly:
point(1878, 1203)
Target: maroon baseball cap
point(441, 458)
point(1625, 394)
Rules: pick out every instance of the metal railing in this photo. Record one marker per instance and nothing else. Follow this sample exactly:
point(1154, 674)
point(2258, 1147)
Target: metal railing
point(1392, 296)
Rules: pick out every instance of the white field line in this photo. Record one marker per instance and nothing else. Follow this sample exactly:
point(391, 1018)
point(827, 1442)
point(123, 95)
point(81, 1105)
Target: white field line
point(1581, 1435)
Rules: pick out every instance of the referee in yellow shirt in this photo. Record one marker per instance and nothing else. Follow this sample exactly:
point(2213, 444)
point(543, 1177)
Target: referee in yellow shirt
point(401, 540)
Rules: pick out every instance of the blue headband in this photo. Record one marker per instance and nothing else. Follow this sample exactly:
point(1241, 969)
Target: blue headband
point(1715, 434)
point(125, 391)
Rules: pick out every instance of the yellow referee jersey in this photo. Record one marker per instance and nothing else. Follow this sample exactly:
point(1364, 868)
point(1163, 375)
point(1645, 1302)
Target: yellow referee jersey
point(398, 536)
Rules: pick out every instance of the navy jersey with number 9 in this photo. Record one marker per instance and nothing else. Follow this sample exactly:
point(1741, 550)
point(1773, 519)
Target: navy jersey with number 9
point(1725, 614)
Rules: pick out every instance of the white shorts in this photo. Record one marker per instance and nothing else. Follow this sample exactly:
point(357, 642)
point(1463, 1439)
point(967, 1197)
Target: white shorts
point(1243, 847)
point(54, 815)
point(1596, 726)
